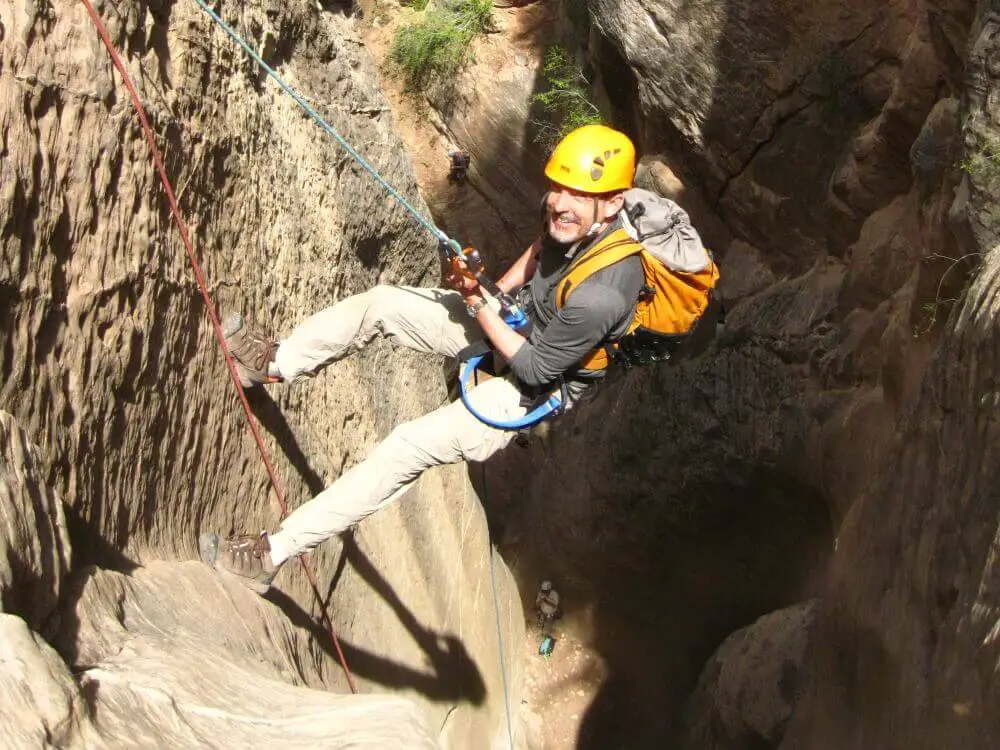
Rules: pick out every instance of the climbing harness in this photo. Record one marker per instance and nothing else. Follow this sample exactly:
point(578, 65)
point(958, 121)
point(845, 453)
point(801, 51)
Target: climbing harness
point(469, 263)
point(216, 326)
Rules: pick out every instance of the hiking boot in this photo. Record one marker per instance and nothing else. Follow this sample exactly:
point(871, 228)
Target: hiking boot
point(251, 350)
point(245, 556)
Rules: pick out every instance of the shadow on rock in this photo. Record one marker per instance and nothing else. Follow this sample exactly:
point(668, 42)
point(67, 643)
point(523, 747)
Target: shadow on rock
point(454, 675)
point(269, 414)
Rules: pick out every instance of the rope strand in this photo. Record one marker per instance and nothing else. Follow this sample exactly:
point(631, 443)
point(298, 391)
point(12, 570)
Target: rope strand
point(421, 219)
point(214, 318)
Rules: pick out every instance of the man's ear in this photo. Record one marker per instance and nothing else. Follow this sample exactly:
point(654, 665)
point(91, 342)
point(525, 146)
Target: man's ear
point(613, 204)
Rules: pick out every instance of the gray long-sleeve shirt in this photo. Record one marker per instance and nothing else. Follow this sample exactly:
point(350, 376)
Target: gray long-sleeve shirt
point(598, 310)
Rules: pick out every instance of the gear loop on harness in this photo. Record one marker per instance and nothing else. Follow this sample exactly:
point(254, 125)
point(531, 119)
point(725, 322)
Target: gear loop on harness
point(551, 406)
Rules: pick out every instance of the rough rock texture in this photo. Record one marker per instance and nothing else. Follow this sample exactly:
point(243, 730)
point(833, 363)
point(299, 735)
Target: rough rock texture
point(42, 703)
point(486, 110)
point(815, 145)
point(172, 646)
point(108, 364)
point(750, 687)
point(34, 545)
point(906, 647)
point(851, 397)
point(825, 136)
point(797, 117)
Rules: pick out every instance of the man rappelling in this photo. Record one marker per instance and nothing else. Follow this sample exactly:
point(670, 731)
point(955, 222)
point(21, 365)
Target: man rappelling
point(581, 285)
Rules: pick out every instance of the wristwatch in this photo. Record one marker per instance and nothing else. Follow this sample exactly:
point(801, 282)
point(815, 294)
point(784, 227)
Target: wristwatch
point(475, 307)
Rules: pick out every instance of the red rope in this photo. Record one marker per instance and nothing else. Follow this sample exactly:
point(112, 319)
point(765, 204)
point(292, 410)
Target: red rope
point(216, 326)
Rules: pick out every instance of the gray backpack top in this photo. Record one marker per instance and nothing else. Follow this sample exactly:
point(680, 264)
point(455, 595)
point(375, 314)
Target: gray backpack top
point(665, 231)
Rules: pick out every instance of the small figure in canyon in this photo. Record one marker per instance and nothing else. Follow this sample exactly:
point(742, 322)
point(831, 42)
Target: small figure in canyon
point(547, 607)
point(567, 348)
point(459, 166)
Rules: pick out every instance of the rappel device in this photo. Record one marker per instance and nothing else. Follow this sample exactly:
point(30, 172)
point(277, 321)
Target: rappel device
point(469, 263)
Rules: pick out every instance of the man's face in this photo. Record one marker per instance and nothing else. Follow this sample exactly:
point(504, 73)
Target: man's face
point(569, 214)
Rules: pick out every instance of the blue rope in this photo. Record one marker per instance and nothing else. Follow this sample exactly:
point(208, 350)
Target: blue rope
point(428, 225)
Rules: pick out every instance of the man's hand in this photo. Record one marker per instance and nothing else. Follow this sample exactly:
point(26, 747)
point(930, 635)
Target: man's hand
point(460, 278)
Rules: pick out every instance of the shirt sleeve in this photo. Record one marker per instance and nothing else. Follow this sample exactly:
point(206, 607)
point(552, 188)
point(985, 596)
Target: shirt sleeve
point(592, 311)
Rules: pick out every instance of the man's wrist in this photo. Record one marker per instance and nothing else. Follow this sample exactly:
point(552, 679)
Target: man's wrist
point(474, 303)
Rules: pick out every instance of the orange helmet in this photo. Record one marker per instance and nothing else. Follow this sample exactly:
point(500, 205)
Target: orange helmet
point(593, 159)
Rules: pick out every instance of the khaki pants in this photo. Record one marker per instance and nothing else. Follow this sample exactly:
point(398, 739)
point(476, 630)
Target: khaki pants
point(427, 320)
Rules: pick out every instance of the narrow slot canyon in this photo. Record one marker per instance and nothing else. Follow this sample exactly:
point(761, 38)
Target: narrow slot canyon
point(788, 540)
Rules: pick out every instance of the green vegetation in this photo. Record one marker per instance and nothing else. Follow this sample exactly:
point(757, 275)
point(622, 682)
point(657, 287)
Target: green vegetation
point(567, 104)
point(415, 4)
point(983, 160)
point(438, 44)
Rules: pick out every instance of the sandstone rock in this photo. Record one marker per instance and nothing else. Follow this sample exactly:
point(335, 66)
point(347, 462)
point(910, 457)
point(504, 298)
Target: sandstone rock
point(750, 687)
point(34, 545)
point(171, 654)
point(656, 173)
point(746, 272)
point(885, 254)
point(905, 647)
point(108, 363)
point(707, 487)
point(804, 400)
point(759, 100)
point(108, 335)
point(809, 124)
point(933, 152)
point(42, 705)
point(875, 171)
point(487, 110)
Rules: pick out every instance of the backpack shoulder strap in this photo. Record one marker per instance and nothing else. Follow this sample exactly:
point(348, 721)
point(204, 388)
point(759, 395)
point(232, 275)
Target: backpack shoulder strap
point(613, 248)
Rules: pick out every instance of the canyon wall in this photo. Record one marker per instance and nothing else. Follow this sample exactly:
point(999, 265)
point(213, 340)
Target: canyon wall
point(108, 366)
point(819, 149)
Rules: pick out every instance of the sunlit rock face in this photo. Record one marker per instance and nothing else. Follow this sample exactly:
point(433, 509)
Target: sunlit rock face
point(796, 117)
point(837, 157)
point(108, 366)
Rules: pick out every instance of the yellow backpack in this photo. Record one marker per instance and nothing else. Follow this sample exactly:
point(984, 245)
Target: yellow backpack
point(680, 281)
